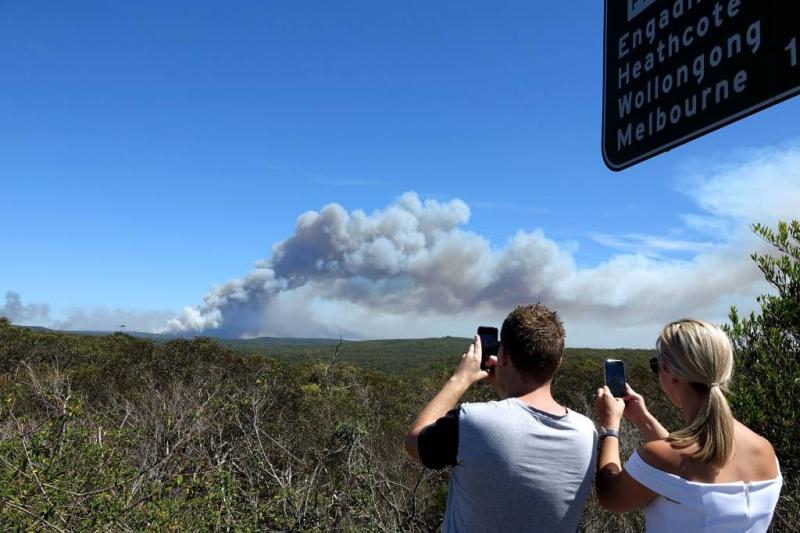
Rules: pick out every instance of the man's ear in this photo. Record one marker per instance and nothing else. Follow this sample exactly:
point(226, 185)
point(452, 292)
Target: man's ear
point(504, 359)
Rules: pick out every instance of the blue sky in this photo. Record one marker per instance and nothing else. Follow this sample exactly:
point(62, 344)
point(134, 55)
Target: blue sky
point(152, 150)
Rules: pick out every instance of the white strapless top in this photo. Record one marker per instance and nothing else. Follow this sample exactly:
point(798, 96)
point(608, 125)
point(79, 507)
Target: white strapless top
point(689, 506)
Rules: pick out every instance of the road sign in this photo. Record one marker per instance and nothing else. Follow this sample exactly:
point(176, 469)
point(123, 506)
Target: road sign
point(674, 70)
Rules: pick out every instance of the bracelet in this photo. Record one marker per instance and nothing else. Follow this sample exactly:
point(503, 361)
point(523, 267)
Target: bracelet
point(606, 432)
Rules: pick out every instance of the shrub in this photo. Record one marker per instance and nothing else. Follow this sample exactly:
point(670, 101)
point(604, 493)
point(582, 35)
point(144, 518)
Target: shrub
point(766, 387)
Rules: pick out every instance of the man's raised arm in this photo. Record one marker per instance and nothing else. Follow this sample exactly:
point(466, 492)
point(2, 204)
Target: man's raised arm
point(468, 372)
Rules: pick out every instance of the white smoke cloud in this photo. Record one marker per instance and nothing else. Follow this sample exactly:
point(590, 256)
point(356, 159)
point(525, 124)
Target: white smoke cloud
point(19, 313)
point(110, 319)
point(96, 319)
point(412, 269)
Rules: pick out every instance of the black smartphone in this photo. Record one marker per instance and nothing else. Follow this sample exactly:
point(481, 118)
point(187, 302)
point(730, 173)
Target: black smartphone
point(614, 371)
point(490, 343)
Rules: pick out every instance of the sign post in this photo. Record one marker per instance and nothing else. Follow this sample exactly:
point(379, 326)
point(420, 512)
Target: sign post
point(677, 69)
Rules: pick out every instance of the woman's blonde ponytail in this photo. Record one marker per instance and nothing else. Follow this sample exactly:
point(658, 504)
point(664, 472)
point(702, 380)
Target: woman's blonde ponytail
point(711, 432)
point(699, 352)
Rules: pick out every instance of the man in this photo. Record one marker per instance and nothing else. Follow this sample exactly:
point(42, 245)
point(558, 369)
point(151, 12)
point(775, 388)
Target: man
point(524, 463)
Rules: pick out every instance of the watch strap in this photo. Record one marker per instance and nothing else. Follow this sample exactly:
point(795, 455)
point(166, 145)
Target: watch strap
point(606, 432)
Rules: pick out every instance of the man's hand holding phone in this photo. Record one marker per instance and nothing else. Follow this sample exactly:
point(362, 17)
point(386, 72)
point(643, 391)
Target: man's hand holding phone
point(469, 369)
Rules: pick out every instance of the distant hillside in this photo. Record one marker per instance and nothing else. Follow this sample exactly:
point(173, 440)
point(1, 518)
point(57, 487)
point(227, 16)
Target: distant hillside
point(392, 356)
point(260, 342)
point(403, 356)
point(166, 337)
point(158, 337)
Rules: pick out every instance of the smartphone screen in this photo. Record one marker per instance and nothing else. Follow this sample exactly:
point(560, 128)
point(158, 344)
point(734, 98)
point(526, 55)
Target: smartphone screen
point(489, 343)
point(488, 335)
point(615, 376)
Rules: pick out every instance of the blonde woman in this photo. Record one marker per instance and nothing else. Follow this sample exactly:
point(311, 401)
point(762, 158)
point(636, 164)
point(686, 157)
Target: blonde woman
point(713, 475)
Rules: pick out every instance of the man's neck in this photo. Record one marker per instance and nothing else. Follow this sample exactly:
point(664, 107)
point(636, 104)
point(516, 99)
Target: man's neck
point(538, 396)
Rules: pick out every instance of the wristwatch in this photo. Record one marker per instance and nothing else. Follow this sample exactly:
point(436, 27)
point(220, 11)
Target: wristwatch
point(606, 432)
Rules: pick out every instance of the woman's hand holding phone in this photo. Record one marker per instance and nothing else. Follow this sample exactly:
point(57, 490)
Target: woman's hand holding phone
point(608, 408)
point(635, 409)
point(636, 413)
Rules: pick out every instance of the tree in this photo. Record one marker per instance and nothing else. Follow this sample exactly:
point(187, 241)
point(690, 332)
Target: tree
point(766, 387)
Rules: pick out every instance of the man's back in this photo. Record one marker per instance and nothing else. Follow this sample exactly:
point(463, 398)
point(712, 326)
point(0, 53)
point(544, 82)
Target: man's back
point(520, 469)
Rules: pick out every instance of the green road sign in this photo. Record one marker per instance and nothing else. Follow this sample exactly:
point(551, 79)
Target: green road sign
point(674, 70)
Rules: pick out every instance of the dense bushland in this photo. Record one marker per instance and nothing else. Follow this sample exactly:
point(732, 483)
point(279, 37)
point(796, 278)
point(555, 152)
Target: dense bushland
point(116, 432)
point(119, 432)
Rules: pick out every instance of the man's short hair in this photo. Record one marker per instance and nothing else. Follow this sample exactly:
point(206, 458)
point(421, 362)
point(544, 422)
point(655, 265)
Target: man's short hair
point(533, 337)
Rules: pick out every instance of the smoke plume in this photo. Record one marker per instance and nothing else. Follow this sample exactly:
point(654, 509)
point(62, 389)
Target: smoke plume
point(413, 268)
point(17, 312)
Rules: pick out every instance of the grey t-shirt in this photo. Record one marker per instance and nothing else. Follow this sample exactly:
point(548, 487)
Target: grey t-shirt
point(520, 469)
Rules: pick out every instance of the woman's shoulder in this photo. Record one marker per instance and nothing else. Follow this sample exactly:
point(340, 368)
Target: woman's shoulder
point(659, 454)
point(754, 454)
point(754, 442)
point(753, 460)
